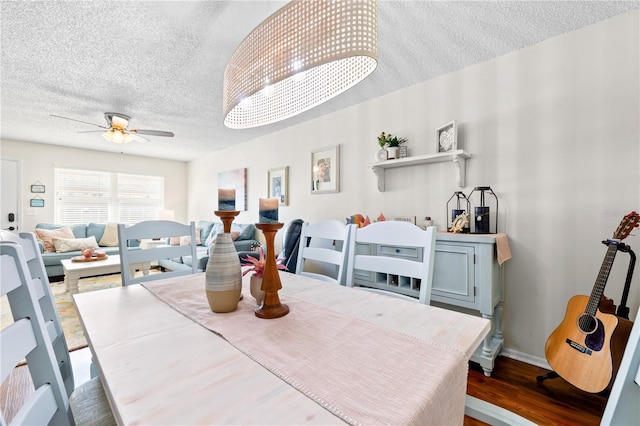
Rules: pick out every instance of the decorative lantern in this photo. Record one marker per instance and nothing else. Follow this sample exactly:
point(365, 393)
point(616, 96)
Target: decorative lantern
point(484, 216)
point(455, 208)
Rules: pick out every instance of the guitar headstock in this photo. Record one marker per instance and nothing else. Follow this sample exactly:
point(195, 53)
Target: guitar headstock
point(629, 222)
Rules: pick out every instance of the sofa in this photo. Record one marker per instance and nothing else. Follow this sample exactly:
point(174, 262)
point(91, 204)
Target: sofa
point(68, 244)
point(243, 235)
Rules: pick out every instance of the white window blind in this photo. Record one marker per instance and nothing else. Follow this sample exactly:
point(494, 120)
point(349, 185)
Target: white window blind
point(84, 196)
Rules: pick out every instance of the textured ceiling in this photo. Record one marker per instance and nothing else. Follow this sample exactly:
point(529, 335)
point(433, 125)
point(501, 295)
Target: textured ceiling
point(162, 62)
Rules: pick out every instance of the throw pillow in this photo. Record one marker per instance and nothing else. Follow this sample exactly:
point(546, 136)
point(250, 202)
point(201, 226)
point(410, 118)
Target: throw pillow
point(45, 236)
point(186, 239)
point(247, 230)
point(235, 235)
point(217, 228)
point(110, 236)
point(64, 245)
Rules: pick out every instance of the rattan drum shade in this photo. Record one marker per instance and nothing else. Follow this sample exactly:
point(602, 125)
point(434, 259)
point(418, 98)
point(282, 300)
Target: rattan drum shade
point(302, 55)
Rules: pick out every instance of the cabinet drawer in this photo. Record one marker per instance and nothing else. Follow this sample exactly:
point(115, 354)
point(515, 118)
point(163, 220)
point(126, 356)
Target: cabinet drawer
point(453, 273)
point(412, 253)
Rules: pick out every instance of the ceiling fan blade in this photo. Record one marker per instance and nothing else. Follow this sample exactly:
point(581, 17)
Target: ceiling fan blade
point(140, 137)
point(152, 132)
point(79, 121)
point(91, 131)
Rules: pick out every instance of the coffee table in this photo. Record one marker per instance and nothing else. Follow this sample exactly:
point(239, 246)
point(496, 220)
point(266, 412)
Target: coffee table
point(73, 271)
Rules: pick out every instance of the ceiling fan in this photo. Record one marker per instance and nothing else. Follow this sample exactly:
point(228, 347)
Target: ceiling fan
point(117, 131)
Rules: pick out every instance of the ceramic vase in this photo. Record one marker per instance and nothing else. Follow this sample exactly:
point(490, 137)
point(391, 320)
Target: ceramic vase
point(256, 289)
point(223, 277)
point(393, 152)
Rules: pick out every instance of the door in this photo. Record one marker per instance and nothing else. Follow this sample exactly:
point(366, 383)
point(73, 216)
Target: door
point(10, 173)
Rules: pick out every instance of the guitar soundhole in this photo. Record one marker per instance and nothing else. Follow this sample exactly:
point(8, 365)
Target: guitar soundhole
point(587, 323)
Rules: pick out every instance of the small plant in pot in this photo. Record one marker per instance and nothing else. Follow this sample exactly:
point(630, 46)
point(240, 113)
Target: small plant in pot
point(257, 267)
point(391, 143)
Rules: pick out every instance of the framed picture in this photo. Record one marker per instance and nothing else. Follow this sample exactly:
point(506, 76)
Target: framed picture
point(410, 219)
point(325, 170)
point(235, 179)
point(37, 189)
point(36, 202)
point(447, 137)
point(278, 185)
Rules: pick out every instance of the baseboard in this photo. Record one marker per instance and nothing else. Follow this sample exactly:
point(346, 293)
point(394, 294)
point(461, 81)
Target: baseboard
point(529, 359)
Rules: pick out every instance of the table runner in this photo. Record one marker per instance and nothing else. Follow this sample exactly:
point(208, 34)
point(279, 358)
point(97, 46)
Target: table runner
point(361, 372)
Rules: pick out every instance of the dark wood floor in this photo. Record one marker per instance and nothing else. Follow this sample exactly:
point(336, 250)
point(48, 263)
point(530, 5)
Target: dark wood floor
point(513, 386)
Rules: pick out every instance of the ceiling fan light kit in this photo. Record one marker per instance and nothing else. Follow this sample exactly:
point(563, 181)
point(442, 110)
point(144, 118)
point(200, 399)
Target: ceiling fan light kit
point(117, 131)
point(301, 56)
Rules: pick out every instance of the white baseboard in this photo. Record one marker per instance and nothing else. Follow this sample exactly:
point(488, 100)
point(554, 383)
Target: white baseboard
point(529, 359)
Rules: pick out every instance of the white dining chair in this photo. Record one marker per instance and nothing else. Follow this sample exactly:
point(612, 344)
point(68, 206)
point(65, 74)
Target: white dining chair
point(322, 253)
point(153, 229)
point(392, 250)
point(28, 337)
point(33, 257)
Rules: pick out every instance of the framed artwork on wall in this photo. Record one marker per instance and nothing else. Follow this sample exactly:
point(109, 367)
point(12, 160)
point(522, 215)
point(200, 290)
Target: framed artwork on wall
point(36, 202)
point(37, 188)
point(447, 137)
point(325, 170)
point(278, 185)
point(235, 179)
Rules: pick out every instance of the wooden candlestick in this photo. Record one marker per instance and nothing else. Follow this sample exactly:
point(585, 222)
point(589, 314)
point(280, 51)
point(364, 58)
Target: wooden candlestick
point(271, 307)
point(227, 217)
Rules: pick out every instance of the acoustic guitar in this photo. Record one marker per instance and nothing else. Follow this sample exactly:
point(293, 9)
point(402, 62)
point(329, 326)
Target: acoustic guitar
point(579, 349)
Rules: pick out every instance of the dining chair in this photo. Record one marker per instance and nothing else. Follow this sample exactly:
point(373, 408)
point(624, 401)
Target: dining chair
point(28, 338)
point(323, 250)
point(395, 253)
point(33, 258)
point(154, 229)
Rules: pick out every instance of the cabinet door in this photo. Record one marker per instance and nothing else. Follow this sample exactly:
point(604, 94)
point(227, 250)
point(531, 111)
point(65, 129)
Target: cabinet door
point(453, 274)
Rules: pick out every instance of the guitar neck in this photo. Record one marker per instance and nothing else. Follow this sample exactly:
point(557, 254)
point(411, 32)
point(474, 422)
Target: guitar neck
point(601, 281)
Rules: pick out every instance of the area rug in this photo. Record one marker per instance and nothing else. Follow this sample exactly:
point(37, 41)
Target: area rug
point(66, 309)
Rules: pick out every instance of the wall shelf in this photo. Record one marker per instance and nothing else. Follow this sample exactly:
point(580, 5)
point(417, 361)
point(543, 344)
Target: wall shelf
point(458, 157)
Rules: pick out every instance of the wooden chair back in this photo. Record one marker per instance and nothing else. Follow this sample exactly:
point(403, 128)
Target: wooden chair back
point(33, 258)
point(383, 240)
point(150, 230)
point(28, 338)
point(323, 244)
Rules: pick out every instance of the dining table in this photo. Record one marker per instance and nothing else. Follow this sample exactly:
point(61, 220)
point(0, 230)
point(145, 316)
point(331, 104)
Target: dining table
point(340, 356)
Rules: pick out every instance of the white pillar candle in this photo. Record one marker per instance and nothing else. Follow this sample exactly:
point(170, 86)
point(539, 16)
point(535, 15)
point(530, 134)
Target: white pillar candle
point(226, 199)
point(268, 212)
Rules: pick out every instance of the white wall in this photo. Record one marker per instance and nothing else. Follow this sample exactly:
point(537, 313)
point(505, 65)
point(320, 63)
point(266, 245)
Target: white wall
point(39, 160)
point(553, 129)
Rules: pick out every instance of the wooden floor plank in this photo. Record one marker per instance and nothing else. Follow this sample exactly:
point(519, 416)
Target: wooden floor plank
point(513, 385)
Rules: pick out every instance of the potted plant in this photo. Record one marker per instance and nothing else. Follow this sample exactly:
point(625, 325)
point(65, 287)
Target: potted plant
point(257, 267)
point(391, 143)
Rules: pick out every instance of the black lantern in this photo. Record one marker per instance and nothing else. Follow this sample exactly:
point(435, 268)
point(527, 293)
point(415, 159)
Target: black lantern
point(483, 214)
point(456, 208)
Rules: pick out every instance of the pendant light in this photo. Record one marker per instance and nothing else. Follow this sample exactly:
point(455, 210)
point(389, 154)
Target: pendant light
point(301, 56)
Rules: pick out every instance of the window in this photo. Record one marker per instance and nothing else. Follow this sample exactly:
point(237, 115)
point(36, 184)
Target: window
point(83, 196)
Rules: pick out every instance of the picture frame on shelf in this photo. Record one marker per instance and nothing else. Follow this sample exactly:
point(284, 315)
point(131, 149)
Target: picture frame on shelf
point(410, 219)
point(403, 152)
point(278, 184)
point(447, 137)
point(325, 170)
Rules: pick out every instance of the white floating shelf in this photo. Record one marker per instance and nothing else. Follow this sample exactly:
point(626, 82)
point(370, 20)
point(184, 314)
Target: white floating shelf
point(458, 158)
